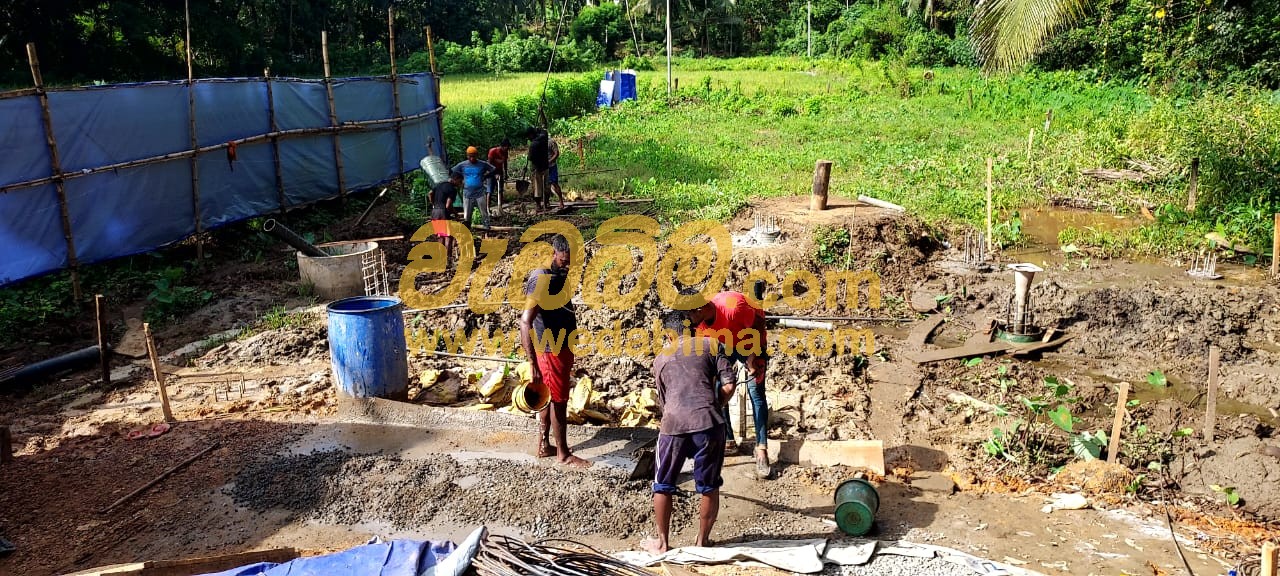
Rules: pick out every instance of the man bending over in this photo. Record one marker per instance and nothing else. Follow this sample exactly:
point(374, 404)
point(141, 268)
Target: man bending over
point(695, 378)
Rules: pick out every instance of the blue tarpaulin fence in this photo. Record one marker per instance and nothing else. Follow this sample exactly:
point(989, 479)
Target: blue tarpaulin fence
point(125, 158)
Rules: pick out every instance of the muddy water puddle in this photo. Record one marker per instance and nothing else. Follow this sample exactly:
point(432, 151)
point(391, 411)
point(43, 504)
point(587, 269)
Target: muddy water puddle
point(1144, 392)
point(1044, 225)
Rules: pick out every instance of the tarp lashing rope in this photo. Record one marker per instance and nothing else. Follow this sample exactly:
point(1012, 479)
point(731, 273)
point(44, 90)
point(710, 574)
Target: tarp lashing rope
point(139, 208)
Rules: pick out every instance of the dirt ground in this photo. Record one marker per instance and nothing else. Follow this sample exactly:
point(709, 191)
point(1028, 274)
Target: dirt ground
point(288, 472)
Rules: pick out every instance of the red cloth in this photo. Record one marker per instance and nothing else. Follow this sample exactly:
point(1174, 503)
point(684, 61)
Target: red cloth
point(557, 371)
point(735, 313)
point(441, 228)
point(498, 158)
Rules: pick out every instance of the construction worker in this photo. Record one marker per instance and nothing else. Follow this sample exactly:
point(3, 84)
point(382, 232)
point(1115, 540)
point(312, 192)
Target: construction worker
point(498, 157)
point(475, 173)
point(724, 318)
point(539, 164)
point(695, 379)
point(553, 172)
point(442, 198)
point(543, 335)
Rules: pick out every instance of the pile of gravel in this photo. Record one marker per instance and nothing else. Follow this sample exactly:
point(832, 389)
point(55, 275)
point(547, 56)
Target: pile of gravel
point(337, 487)
point(891, 565)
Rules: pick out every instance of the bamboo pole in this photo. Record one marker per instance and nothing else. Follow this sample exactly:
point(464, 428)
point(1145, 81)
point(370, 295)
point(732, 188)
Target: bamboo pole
point(1048, 120)
point(275, 140)
point(333, 115)
point(990, 163)
point(1211, 399)
point(104, 355)
point(395, 93)
point(431, 50)
point(1117, 426)
point(55, 166)
point(349, 126)
point(1275, 248)
point(159, 374)
point(195, 143)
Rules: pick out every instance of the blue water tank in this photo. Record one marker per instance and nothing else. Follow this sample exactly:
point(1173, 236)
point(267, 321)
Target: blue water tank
point(367, 348)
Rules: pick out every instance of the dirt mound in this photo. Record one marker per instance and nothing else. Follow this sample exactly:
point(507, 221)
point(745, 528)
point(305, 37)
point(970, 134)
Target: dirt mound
point(288, 345)
point(1094, 477)
point(1249, 466)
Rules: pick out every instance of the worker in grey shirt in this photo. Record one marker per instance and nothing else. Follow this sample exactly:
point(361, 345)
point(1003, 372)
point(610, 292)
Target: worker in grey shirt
point(695, 378)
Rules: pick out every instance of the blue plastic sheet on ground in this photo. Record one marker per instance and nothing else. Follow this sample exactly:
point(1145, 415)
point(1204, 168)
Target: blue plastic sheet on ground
point(395, 558)
point(127, 211)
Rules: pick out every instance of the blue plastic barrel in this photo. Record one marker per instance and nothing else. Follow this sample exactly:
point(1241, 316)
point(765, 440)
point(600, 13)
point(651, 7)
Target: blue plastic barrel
point(367, 347)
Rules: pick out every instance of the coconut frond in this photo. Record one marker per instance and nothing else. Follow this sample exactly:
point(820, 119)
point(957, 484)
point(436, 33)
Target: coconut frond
point(1007, 34)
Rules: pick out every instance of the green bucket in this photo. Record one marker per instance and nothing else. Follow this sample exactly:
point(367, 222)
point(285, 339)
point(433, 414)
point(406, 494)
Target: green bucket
point(856, 505)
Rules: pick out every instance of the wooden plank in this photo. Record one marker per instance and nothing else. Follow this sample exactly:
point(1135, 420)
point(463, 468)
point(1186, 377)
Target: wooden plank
point(1269, 560)
point(821, 183)
point(921, 332)
point(155, 371)
point(1117, 425)
point(1211, 401)
point(969, 349)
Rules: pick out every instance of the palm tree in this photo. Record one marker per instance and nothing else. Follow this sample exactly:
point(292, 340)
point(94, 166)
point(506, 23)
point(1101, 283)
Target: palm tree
point(1007, 34)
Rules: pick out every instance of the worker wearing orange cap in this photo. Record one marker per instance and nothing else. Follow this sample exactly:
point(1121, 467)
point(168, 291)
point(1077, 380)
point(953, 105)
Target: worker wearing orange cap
point(475, 172)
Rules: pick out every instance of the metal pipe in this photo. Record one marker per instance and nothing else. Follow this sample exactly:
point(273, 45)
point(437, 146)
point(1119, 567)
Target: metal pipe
point(805, 324)
point(271, 226)
point(31, 373)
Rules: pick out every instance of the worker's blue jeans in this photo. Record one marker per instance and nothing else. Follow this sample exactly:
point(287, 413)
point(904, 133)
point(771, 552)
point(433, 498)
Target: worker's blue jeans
point(759, 408)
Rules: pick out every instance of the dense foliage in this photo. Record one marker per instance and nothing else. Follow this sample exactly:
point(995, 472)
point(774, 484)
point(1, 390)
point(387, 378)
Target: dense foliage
point(1166, 44)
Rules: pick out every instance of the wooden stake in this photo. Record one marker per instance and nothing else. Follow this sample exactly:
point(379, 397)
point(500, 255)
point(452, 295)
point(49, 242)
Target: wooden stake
point(971, 98)
point(333, 115)
point(431, 51)
point(1194, 185)
point(1211, 401)
point(1048, 120)
point(55, 165)
point(821, 183)
point(1269, 558)
point(1031, 138)
point(104, 355)
point(159, 375)
point(1117, 425)
point(195, 143)
point(1275, 249)
point(157, 479)
point(990, 163)
point(275, 140)
point(6, 445)
point(395, 92)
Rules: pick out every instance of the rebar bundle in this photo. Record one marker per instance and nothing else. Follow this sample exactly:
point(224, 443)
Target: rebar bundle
point(508, 556)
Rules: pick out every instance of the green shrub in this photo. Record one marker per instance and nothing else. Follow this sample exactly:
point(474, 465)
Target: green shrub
point(928, 48)
point(638, 63)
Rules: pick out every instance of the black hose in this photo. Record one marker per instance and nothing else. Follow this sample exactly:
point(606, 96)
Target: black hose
point(28, 375)
point(271, 226)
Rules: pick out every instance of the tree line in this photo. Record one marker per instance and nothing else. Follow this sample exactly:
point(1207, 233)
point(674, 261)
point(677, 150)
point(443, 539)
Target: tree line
point(1159, 41)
